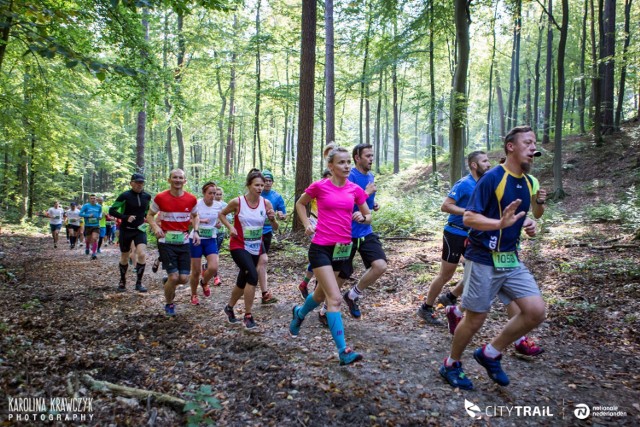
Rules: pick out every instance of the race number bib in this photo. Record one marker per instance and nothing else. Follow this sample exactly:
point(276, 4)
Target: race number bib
point(342, 251)
point(74, 221)
point(174, 237)
point(206, 233)
point(143, 227)
point(504, 261)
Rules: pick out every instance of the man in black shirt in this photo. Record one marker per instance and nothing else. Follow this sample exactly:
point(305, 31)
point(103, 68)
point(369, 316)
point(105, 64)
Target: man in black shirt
point(131, 208)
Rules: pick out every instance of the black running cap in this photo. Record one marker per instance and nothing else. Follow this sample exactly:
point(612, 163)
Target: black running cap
point(537, 154)
point(137, 177)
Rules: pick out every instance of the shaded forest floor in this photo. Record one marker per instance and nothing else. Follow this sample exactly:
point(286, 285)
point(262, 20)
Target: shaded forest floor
point(60, 318)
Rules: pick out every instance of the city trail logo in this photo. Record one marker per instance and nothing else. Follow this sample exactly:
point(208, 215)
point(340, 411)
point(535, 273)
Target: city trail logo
point(52, 409)
point(582, 411)
point(472, 409)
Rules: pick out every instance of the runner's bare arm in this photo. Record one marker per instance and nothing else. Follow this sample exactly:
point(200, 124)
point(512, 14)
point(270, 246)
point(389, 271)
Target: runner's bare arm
point(363, 215)
point(232, 207)
point(301, 210)
point(449, 206)
point(154, 225)
point(480, 222)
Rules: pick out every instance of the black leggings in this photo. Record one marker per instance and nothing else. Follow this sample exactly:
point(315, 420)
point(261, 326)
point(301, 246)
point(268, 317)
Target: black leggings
point(247, 263)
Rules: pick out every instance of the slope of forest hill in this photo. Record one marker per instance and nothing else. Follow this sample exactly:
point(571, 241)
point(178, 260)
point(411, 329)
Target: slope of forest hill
point(592, 174)
point(61, 320)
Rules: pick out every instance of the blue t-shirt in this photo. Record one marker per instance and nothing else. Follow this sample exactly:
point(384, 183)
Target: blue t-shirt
point(278, 205)
point(461, 193)
point(494, 192)
point(357, 229)
point(86, 211)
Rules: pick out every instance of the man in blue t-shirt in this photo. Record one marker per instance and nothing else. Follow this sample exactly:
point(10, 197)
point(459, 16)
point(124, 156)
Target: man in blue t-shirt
point(364, 240)
point(455, 233)
point(496, 215)
point(267, 234)
point(91, 212)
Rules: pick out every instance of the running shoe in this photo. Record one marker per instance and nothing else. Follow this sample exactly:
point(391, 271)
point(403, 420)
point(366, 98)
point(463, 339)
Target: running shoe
point(164, 280)
point(492, 366)
point(122, 286)
point(349, 356)
point(455, 376)
point(156, 265)
point(428, 315)
point(140, 288)
point(452, 318)
point(86, 252)
point(304, 290)
point(528, 348)
point(99, 251)
point(94, 256)
point(322, 317)
point(170, 309)
point(267, 298)
point(195, 300)
point(354, 309)
point(249, 323)
point(296, 322)
point(55, 246)
point(206, 290)
point(217, 281)
point(130, 260)
point(447, 299)
point(231, 317)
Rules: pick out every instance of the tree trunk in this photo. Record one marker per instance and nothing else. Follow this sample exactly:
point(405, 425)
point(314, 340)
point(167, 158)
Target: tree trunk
point(493, 58)
point(329, 73)
point(536, 90)
point(582, 92)
point(178, 82)
point(549, 77)
point(256, 123)
point(459, 92)
point(304, 159)
point(396, 119)
point(557, 153)
point(364, 81)
point(623, 70)
point(223, 107)
point(229, 150)
point(501, 113)
point(528, 112)
point(142, 114)
point(378, 124)
point(514, 83)
point(432, 101)
point(595, 84)
point(6, 31)
point(607, 65)
point(167, 88)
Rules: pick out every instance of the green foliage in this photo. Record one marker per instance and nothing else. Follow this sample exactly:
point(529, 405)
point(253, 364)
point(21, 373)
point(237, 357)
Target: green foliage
point(626, 212)
point(200, 402)
point(408, 215)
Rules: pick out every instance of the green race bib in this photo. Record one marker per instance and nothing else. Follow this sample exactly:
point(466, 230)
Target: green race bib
point(342, 251)
point(143, 227)
point(252, 233)
point(74, 220)
point(206, 233)
point(174, 237)
point(504, 261)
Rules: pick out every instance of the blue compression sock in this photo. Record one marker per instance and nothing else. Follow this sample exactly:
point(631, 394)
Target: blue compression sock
point(337, 330)
point(308, 307)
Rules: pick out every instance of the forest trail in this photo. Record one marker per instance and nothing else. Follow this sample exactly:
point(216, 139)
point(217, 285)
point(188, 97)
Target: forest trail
point(61, 318)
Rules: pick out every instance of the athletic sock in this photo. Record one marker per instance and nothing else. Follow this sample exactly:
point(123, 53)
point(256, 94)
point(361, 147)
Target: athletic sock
point(306, 280)
point(452, 297)
point(519, 340)
point(334, 319)
point(490, 351)
point(123, 272)
point(457, 311)
point(308, 306)
point(139, 273)
point(426, 306)
point(355, 293)
point(94, 247)
point(323, 309)
point(73, 240)
point(100, 242)
point(449, 361)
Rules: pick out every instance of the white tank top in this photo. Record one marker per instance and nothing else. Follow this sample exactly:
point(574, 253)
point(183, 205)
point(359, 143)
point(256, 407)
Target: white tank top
point(249, 224)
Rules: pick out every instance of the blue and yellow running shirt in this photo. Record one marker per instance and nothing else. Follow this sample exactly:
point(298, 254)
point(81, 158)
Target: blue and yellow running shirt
point(494, 192)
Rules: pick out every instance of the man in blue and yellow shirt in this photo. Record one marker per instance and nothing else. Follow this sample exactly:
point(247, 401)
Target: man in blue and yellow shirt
point(496, 215)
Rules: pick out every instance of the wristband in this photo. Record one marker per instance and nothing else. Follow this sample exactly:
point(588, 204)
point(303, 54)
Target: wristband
point(540, 202)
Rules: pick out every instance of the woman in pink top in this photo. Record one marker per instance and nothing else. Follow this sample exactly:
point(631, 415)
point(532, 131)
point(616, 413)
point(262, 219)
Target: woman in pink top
point(331, 245)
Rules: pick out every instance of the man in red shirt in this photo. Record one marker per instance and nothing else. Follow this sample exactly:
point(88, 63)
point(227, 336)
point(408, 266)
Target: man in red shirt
point(178, 209)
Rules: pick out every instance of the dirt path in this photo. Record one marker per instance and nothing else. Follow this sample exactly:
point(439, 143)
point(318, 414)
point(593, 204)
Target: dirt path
point(61, 318)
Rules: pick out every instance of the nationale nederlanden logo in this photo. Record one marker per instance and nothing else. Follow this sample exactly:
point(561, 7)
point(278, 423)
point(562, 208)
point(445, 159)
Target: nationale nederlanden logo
point(582, 411)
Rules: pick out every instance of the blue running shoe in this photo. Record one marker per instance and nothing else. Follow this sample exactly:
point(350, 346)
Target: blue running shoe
point(354, 309)
point(296, 322)
point(349, 356)
point(455, 376)
point(86, 251)
point(492, 366)
point(170, 309)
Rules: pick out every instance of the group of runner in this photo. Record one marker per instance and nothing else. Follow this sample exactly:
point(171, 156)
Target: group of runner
point(486, 219)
